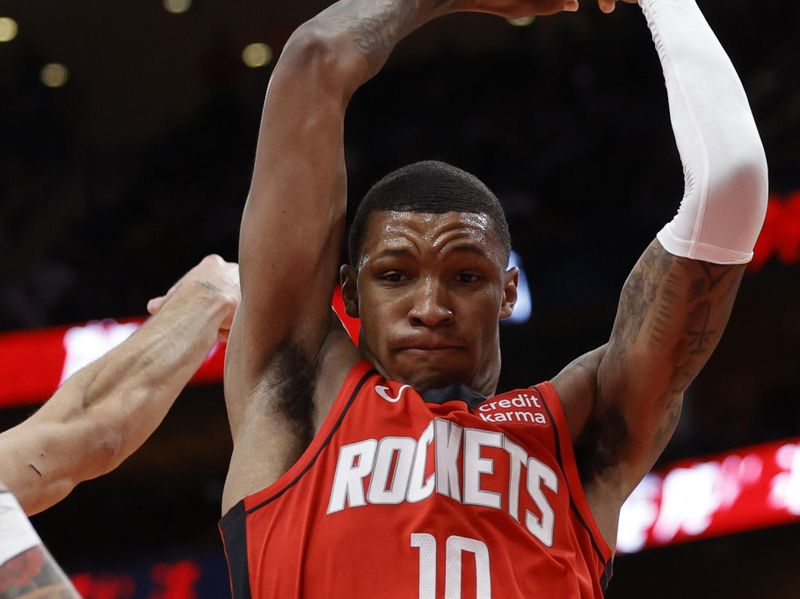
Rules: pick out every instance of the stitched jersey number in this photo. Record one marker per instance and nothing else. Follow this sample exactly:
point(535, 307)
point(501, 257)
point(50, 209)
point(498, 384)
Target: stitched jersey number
point(454, 551)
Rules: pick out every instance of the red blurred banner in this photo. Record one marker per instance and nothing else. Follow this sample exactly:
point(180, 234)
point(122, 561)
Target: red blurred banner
point(34, 363)
point(746, 489)
point(780, 235)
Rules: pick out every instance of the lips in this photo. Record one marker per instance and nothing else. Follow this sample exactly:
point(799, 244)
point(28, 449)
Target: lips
point(430, 350)
point(428, 347)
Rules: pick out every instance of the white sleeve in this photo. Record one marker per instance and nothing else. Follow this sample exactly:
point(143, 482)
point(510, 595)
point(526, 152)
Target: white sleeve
point(725, 169)
point(16, 532)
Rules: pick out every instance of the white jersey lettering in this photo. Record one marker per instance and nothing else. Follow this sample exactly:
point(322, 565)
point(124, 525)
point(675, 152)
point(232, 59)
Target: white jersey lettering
point(380, 490)
point(475, 465)
point(417, 490)
point(353, 466)
point(541, 528)
point(448, 447)
point(517, 459)
point(396, 468)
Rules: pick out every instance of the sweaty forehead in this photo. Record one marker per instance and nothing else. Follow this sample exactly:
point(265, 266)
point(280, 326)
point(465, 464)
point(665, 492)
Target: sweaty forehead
point(421, 229)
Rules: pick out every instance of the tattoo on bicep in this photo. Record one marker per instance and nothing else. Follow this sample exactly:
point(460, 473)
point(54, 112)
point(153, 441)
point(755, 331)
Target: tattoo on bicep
point(641, 291)
point(33, 573)
point(681, 306)
point(667, 302)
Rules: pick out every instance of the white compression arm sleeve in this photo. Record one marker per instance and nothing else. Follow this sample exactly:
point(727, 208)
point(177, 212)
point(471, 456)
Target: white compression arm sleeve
point(725, 170)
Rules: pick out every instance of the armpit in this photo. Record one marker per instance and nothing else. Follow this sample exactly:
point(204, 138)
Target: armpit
point(599, 447)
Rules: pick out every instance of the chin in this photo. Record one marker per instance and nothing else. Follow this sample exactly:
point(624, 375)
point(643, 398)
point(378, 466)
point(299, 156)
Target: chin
point(423, 379)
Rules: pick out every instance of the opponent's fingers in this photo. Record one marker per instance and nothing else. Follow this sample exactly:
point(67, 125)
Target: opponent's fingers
point(607, 6)
point(571, 6)
point(155, 304)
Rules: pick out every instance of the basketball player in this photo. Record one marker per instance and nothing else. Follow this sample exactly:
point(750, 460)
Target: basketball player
point(395, 470)
point(101, 415)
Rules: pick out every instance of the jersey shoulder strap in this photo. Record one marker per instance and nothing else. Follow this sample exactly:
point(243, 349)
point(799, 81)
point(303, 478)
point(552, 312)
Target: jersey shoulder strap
point(565, 455)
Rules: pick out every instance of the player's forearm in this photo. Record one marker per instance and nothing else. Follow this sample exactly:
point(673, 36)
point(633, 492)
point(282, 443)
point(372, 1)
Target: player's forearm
point(724, 163)
point(367, 31)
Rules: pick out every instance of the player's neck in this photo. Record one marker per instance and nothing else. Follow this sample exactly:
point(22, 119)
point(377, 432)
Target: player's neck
point(484, 381)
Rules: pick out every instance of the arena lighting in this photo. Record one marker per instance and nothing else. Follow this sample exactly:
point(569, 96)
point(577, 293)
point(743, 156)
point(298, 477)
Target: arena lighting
point(177, 7)
point(747, 489)
point(524, 306)
point(8, 29)
point(257, 55)
point(54, 75)
point(522, 22)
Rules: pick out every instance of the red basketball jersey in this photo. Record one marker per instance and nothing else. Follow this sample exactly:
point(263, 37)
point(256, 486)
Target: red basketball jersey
point(439, 495)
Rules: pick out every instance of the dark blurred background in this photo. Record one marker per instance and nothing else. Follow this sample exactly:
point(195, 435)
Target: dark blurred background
point(116, 182)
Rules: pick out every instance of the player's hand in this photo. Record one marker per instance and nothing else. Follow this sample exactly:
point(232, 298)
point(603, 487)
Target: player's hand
point(516, 9)
point(212, 275)
point(608, 6)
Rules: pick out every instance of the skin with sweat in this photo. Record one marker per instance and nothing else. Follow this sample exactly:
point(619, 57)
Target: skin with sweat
point(430, 290)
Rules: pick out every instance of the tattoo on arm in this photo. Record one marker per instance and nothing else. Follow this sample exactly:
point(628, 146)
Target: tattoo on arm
point(680, 307)
point(376, 27)
point(34, 575)
point(671, 317)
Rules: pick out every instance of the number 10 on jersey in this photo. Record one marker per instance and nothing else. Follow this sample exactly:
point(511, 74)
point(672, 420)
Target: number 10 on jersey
point(455, 549)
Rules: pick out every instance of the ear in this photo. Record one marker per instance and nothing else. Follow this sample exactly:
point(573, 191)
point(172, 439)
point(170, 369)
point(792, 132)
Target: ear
point(348, 277)
point(511, 280)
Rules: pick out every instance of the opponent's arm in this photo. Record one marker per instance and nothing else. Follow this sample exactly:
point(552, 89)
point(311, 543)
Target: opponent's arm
point(27, 570)
point(676, 302)
point(105, 411)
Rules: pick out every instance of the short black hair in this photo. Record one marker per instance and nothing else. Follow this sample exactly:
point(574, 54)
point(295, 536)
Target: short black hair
point(433, 187)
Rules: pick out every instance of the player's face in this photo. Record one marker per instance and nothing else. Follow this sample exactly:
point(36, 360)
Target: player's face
point(430, 291)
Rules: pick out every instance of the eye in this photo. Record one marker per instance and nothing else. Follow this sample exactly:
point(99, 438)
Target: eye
point(468, 277)
point(393, 276)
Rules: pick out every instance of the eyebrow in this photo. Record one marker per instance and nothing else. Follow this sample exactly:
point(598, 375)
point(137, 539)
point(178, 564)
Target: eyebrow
point(392, 253)
point(402, 251)
point(472, 249)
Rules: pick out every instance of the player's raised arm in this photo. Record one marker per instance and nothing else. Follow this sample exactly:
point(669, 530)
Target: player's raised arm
point(293, 221)
point(105, 411)
point(676, 302)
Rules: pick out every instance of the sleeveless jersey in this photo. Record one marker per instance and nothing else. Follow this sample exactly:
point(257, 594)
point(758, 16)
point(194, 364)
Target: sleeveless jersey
point(440, 495)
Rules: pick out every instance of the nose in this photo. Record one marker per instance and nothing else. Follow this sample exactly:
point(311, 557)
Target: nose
point(430, 307)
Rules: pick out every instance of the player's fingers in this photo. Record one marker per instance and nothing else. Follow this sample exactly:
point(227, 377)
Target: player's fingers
point(571, 6)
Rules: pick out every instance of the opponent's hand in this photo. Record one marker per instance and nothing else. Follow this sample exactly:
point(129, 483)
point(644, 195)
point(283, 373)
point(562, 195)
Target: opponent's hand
point(516, 9)
point(212, 275)
point(608, 6)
